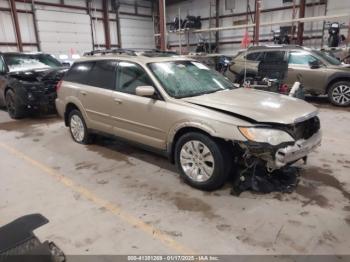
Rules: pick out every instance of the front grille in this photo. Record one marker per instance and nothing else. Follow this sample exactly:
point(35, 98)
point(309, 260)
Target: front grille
point(305, 129)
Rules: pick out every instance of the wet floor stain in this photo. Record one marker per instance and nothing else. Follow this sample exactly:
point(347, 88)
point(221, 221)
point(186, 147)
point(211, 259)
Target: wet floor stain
point(86, 165)
point(311, 194)
point(192, 204)
point(347, 221)
point(20, 125)
point(223, 227)
point(323, 176)
point(172, 233)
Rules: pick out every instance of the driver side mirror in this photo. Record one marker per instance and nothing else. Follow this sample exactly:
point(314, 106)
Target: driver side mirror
point(146, 91)
point(315, 64)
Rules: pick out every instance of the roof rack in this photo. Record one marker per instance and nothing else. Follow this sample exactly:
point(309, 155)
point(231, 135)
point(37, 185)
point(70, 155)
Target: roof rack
point(275, 46)
point(131, 52)
point(111, 51)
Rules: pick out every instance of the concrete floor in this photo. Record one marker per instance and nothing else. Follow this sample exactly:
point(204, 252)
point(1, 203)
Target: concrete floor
point(111, 198)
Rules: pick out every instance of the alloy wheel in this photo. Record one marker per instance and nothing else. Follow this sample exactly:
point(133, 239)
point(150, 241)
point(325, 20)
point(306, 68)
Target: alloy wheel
point(77, 128)
point(197, 161)
point(341, 94)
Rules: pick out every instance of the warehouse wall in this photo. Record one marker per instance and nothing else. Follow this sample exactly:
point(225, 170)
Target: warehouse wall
point(68, 31)
point(200, 8)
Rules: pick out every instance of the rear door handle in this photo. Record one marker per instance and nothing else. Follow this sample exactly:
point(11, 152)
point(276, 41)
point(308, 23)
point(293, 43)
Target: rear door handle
point(83, 93)
point(118, 101)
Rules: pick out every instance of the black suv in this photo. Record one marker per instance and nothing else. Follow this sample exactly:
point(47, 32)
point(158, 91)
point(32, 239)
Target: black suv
point(28, 81)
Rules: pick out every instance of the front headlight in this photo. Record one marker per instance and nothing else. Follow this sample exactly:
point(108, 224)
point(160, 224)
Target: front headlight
point(266, 135)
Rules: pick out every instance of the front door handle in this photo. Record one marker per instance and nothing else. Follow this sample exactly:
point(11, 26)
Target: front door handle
point(118, 101)
point(83, 93)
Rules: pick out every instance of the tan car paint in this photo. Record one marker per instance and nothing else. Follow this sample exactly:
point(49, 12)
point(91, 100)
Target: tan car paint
point(155, 122)
point(314, 79)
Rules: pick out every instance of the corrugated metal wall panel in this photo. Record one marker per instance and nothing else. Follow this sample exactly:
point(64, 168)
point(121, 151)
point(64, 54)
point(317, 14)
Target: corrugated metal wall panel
point(62, 32)
point(7, 31)
point(137, 32)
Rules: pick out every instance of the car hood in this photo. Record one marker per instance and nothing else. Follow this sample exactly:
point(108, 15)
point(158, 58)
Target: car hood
point(38, 74)
point(257, 106)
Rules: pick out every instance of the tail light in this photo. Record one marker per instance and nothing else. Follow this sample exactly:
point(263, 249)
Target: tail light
point(58, 85)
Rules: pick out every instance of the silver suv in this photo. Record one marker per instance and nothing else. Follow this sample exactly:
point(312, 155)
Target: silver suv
point(183, 109)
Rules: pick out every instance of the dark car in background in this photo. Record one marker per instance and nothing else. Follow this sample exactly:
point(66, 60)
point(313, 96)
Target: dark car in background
point(28, 81)
point(321, 73)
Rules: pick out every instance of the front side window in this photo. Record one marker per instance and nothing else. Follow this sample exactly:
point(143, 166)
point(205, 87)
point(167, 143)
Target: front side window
point(22, 62)
point(130, 76)
point(301, 58)
point(188, 78)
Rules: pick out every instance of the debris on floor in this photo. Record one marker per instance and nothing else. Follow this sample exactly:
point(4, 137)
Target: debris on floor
point(257, 179)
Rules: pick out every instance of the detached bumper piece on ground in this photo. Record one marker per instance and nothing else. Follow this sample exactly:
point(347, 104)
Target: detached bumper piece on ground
point(18, 243)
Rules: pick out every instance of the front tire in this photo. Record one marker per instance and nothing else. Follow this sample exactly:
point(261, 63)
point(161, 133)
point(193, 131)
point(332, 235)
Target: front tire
point(14, 107)
point(339, 93)
point(202, 162)
point(77, 128)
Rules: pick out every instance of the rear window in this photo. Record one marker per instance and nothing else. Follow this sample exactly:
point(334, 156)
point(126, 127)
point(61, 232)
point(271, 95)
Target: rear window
point(96, 73)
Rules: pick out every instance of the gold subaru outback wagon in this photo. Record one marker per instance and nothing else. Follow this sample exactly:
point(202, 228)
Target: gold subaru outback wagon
point(181, 108)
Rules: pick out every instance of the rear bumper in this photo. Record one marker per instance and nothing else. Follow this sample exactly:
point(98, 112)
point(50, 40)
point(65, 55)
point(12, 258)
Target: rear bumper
point(299, 150)
point(59, 107)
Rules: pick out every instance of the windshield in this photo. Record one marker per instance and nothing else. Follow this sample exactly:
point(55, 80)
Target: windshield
point(330, 59)
point(188, 78)
point(21, 62)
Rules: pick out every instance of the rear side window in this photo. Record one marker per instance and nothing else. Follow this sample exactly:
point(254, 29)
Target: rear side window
point(278, 56)
point(103, 74)
point(79, 72)
point(257, 56)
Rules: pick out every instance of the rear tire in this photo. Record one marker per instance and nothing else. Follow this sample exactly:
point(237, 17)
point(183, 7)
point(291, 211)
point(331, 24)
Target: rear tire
point(14, 107)
point(203, 163)
point(339, 93)
point(78, 129)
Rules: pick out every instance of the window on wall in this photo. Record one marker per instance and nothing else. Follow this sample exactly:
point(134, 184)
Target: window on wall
point(287, 1)
point(230, 4)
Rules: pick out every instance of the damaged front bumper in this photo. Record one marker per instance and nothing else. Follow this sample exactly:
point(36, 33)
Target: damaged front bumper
point(279, 156)
point(299, 150)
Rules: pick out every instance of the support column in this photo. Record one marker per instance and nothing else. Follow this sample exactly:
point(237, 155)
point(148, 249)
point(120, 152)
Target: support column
point(257, 21)
point(217, 23)
point(106, 23)
point(301, 25)
point(162, 25)
point(16, 23)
